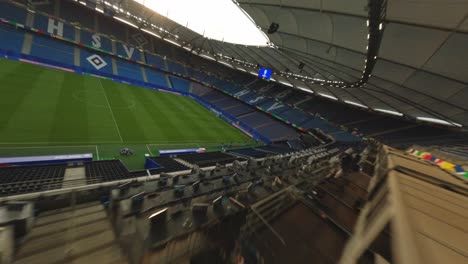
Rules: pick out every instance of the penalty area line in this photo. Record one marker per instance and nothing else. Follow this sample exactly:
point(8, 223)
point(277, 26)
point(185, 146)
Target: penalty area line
point(97, 152)
point(149, 150)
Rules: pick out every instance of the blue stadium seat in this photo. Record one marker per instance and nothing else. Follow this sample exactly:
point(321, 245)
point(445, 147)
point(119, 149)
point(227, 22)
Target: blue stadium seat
point(180, 84)
point(156, 77)
point(176, 67)
point(128, 51)
point(197, 74)
point(226, 102)
point(48, 48)
point(85, 54)
point(155, 60)
point(278, 131)
point(274, 106)
point(345, 137)
point(42, 23)
point(295, 116)
point(320, 124)
point(250, 153)
point(11, 39)
point(199, 89)
point(12, 12)
point(108, 26)
point(129, 70)
point(257, 100)
point(70, 12)
point(257, 119)
point(239, 110)
point(99, 41)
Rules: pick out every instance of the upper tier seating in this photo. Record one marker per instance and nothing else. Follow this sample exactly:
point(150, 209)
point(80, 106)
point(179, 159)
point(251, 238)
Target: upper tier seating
point(17, 180)
point(295, 116)
point(12, 12)
point(320, 124)
point(381, 125)
point(155, 60)
point(176, 67)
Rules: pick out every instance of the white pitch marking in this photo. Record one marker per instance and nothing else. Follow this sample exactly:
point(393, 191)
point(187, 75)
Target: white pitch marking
point(97, 152)
point(112, 112)
point(149, 150)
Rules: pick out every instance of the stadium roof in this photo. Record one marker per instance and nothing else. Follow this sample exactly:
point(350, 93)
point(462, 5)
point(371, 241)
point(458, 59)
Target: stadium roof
point(397, 57)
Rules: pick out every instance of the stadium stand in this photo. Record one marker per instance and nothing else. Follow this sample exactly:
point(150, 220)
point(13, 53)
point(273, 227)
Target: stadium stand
point(249, 153)
point(107, 27)
point(128, 51)
point(13, 12)
point(209, 158)
point(155, 60)
point(340, 114)
point(256, 119)
point(180, 84)
point(168, 165)
point(239, 110)
point(68, 12)
point(91, 236)
point(129, 70)
point(42, 23)
point(278, 132)
point(324, 196)
point(156, 77)
point(277, 148)
point(104, 171)
point(52, 49)
point(295, 116)
point(18, 180)
point(85, 56)
point(12, 39)
point(104, 43)
point(176, 67)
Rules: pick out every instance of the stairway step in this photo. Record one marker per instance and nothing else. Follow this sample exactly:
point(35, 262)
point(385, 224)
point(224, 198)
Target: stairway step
point(76, 249)
point(68, 209)
point(65, 225)
point(44, 243)
point(63, 216)
point(108, 255)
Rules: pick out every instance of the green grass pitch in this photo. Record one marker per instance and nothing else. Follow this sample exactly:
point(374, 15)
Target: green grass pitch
point(46, 111)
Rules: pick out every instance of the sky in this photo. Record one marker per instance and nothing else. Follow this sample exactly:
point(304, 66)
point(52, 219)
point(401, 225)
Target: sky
point(221, 20)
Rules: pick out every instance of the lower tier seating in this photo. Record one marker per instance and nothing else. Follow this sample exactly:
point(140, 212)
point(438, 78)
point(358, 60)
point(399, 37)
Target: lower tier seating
point(209, 158)
point(250, 153)
point(168, 165)
point(104, 171)
point(18, 180)
point(278, 149)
